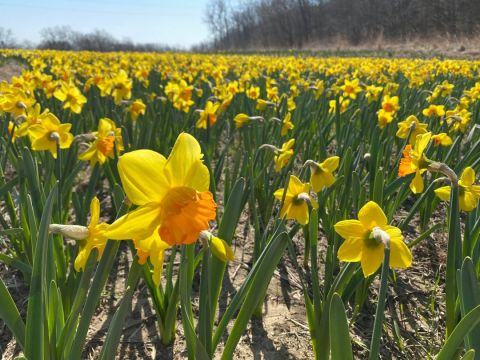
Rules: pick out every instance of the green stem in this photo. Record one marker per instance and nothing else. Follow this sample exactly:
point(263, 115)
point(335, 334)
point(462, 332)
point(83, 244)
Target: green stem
point(377, 326)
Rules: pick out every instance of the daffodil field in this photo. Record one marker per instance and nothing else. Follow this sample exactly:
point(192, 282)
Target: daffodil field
point(337, 165)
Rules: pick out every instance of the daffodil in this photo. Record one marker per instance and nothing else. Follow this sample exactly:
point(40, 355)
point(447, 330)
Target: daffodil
point(284, 155)
point(469, 193)
point(172, 194)
point(351, 88)
point(220, 248)
point(415, 161)
point(153, 248)
point(89, 237)
point(434, 110)
point(295, 205)
point(107, 138)
point(71, 96)
point(49, 134)
point(209, 114)
point(411, 123)
point(287, 124)
point(322, 173)
point(136, 109)
point(384, 118)
point(442, 139)
point(362, 240)
point(33, 117)
point(121, 87)
point(253, 92)
point(390, 103)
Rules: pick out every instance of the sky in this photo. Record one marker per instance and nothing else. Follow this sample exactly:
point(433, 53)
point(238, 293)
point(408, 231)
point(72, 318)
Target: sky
point(176, 23)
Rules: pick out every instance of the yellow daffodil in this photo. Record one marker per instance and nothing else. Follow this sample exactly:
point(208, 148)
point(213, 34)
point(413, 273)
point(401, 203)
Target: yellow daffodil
point(17, 102)
point(34, 116)
point(351, 88)
point(405, 126)
point(209, 114)
point(434, 110)
point(136, 109)
point(220, 248)
point(322, 174)
point(172, 194)
point(295, 205)
point(71, 97)
point(442, 139)
point(362, 240)
point(89, 237)
point(107, 138)
point(153, 248)
point(390, 103)
point(469, 193)
point(49, 133)
point(121, 87)
point(415, 161)
point(344, 103)
point(287, 124)
point(384, 118)
point(284, 155)
point(253, 92)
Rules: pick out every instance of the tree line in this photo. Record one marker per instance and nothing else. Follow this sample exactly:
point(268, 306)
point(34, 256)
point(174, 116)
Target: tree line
point(255, 24)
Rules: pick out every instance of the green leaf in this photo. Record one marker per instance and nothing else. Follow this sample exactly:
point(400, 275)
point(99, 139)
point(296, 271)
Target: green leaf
point(469, 355)
point(456, 338)
point(36, 311)
point(340, 345)
point(256, 288)
point(469, 294)
point(10, 315)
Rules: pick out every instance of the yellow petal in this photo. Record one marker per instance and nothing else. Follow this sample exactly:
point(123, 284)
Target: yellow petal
point(331, 164)
point(417, 183)
point(350, 229)
point(322, 179)
point(142, 175)
point(371, 215)
point(421, 142)
point(468, 176)
point(468, 201)
point(400, 254)
point(372, 258)
point(295, 185)
point(299, 213)
point(443, 193)
point(138, 224)
point(221, 249)
point(351, 249)
point(184, 166)
point(94, 211)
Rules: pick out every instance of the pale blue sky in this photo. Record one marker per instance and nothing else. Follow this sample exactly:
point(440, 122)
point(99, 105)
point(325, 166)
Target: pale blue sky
point(177, 23)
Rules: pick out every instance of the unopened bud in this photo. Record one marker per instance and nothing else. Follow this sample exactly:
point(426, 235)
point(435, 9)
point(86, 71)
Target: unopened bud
point(75, 232)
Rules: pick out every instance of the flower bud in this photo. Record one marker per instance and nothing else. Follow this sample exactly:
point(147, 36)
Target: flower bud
point(75, 232)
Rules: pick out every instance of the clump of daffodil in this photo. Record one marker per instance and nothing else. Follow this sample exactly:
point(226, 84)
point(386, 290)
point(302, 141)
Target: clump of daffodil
point(413, 124)
point(365, 239)
point(415, 161)
point(107, 138)
point(220, 248)
point(50, 134)
point(136, 108)
point(469, 193)
point(171, 194)
point(208, 115)
point(71, 96)
point(89, 237)
point(297, 198)
point(322, 173)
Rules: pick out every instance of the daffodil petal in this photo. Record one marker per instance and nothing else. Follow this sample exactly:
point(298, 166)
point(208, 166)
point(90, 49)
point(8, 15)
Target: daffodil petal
point(137, 224)
point(443, 193)
point(350, 229)
point(142, 175)
point(400, 254)
point(351, 250)
point(468, 176)
point(417, 183)
point(184, 166)
point(371, 215)
point(372, 258)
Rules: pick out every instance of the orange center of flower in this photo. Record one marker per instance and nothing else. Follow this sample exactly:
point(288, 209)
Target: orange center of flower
point(185, 212)
point(105, 144)
point(405, 167)
point(348, 89)
point(388, 107)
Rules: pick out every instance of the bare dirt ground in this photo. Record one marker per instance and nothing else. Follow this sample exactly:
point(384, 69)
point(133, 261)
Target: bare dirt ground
point(8, 69)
